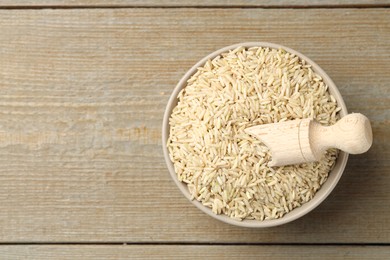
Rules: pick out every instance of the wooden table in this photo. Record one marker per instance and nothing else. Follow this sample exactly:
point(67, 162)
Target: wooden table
point(83, 88)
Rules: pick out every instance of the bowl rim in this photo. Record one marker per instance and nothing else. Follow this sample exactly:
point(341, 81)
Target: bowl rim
point(321, 194)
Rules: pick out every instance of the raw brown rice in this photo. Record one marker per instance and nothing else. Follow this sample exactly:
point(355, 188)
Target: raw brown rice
point(225, 168)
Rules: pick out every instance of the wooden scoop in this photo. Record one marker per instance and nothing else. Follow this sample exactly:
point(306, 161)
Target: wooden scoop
point(305, 140)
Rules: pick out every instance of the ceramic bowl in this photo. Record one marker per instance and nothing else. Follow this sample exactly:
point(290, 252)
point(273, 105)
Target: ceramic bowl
point(296, 213)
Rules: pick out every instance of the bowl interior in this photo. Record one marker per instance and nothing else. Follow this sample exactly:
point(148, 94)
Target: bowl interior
point(321, 194)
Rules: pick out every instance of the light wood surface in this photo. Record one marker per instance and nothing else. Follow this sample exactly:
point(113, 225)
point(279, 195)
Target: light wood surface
point(107, 252)
point(82, 97)
point(199, 3)
point(81, 112)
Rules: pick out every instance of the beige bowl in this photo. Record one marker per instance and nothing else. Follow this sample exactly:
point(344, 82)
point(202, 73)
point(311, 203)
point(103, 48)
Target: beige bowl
point(321, 194)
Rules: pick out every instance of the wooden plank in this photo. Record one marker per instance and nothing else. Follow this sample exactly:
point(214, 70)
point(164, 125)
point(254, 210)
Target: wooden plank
point(191, 3)
point(195, 251)
point(82, 97)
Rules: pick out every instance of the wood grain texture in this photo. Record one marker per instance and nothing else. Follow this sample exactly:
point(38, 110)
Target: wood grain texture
point(176, 3)
point(107, 252)
point(82, 97)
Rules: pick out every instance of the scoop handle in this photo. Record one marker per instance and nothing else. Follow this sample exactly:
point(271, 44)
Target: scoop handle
point(351, 134)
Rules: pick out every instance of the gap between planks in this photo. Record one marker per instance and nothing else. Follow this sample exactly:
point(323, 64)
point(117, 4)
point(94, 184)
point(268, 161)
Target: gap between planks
point(316, 6)
point(179, 243)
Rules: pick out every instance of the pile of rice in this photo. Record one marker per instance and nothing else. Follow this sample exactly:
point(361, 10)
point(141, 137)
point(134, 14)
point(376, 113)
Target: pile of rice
point(225, 168)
